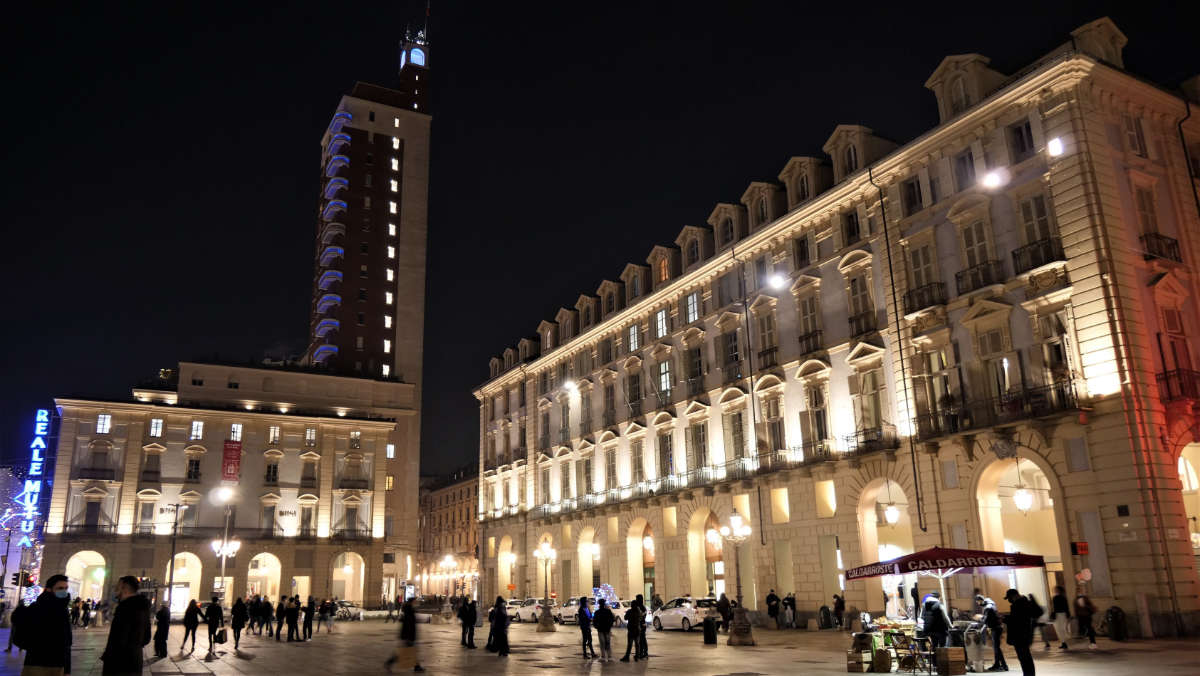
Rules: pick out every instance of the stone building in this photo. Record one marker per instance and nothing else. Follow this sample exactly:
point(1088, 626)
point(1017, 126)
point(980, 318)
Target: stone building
point(322, 483)
point(447, 560)
point(981, 338)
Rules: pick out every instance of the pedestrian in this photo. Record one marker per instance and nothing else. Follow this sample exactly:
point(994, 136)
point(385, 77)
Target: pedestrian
point(724, 610)
point(332, 616)
point(635, 623)
point(916, 602)
point(14, 621)
point(162, 629)
point(237, 620)
point(499, 637)
point(584, 615)
point(85, 615)
point(839, 610)
point(467, 614)
point(266, 614)
point(773, 608)
point(656, 602)
point(280, 615)
point(995, 628)
point(215, 617)
point(76, 608)
point(391, 608)
point(1022, 616)
point(406, 650)
point(604, 619)
point(130, 631)
point(1060, 615)
point(309, 611)
point(191, 620)
point(292, 615)
point(789, 610)
point(44, 630)
point(1084, 611)
point(936, 622)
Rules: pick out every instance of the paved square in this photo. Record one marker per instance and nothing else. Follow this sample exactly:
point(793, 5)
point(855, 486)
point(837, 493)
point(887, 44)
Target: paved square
point(362, 647)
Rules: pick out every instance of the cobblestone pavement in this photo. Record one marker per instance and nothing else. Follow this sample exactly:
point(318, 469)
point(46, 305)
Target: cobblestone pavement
point(362, 647)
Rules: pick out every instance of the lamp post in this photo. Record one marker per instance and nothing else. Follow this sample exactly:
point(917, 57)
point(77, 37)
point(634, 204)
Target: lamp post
point(546, 554)
point(447, 564)
point(737, 532)
point(177, 507)
point(225, 548)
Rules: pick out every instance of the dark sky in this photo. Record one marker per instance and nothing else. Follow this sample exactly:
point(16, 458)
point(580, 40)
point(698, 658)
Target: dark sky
point(161, 161)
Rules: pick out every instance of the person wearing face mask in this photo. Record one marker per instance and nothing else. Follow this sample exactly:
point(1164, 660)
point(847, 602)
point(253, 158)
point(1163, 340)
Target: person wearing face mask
point(45, 632)
point(130, 630)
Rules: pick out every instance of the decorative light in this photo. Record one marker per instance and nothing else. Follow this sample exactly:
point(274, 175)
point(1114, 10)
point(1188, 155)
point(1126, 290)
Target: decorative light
point(347, 569)
point(595, 550)
point(570, 386)
point(1023, 497)
point(1055, 147)
point(224, 494)
point(98, 573)
point(891, 514)
point(226, 549)
point(992, 179)
point(648, 543)
point(777, 281)
point(714, 538)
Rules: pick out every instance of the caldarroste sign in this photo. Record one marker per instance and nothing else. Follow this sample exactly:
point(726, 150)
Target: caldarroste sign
point(940, 560)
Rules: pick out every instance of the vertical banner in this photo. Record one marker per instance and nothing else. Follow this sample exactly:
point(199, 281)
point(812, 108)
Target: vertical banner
point(231, 461)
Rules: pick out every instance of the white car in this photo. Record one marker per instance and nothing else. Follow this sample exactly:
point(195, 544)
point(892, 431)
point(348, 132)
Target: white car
point(684, 613)
point(567, 612)
point(622, 607)
point(513, 606)
point(531, 610)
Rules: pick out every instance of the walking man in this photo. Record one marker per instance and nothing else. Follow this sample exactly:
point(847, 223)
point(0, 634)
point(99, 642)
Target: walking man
point(44, 632)
point(603, 620)
point(468, 614)
point(585, 625)
point(309, 611)
point(1020, 621)
point(162, 629)
point(215, 616)
point(1060, 614)
point(130, 630)
point(773, 608)
point(995, 627)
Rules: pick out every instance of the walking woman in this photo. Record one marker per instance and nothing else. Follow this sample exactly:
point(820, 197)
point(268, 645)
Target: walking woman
point(162, 628)
point(1084, 610)
point(191, 620)
point(499, 638)
point(406, 651)
point(585, 626)
point(238, 617)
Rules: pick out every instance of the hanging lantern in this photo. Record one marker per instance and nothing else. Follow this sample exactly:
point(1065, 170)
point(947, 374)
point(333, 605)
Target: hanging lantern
point(891, 514)
point(648, 543)
point(1023, 497)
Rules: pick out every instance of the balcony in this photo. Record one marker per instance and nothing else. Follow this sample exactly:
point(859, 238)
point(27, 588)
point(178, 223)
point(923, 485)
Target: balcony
point(610, 418)
point(325, 327)
point(564, 436)
point(333, 209)
point(151, 476)
point(811, 342)
point(733, 371)
point(103, 473)
point(695, 387)
point(635, 408)
point(923, 297)
point(328, 279)
point(340, 119)
point(89, 529)
point(335, 185)
point(585, 425)
point(984, 274)
point(351, 534)
point(329, 300)
point(324, 352)
point(1037, 254)
point(1160, 246)
point(352, 483)
point(335, 164)
point(950, 417)
point(308, 482)
point(665, 398)
point(862, 323)
point(306, 532)
point(1179, 384)
point(337, 143)
point(768, 358)
point(871, 439)
point(331, 254)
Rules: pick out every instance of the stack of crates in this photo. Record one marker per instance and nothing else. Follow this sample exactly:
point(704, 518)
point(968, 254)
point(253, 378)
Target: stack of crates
point(951, 661)
point(858, 662)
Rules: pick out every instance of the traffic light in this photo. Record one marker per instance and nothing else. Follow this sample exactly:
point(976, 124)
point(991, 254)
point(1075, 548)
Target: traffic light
point(16, 579)
point(28, 580)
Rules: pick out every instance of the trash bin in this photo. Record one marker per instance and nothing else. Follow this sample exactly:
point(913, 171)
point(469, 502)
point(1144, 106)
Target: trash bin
point(1118, 629)
point(710, 631)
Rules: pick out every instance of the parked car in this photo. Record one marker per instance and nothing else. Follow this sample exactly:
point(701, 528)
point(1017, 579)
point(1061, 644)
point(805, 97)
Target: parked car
point(348, 610)
point(513, 606)
point(531, 610)
point(622, 607)
point(684, 613)
point(566, 613)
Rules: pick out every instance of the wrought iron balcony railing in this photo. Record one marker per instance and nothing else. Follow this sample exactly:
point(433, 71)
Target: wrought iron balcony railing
point(768, 358)
point(1037, 254)
point(861, 323)
point(870, 439)
point(952, 417)
point(106, 473)
point(984, 274)
point(811, 342)
point(1179, 384)
point(1160, 246)
point(923, 297)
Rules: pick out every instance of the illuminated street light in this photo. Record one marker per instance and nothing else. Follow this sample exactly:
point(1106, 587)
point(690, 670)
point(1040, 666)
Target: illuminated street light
point(891, 514)
point(546, 554)
point(778, 281)
point(1055, 147)
point(737, 532)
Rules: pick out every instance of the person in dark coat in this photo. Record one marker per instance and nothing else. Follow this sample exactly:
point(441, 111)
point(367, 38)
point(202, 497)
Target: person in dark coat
point(1084, 610)
point(635, 623)
point(584, 615)
point(839, 610)
point(724, 610)
point(408, 639)
point(162, 629)
point(191, 620)
point(643, 646)
point(44, 632)
point(995, 627)
point(130, 630)
point(916, 600)
point(310, 612)
point(215, 616)
point(1020, 621)
point(773, 608)
point(237, 620)
point(292, 615)
point(604, 620)
point(936, 623)
point(467, 614)
point(14, 621)
point(280, 616)
point(1060, 614)
point(499, 637)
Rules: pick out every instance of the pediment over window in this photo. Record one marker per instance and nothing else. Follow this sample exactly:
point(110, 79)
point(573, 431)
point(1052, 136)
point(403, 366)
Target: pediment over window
point(606, 436)
point(970, 208)
point(865, 355)
point(308, 499)
point(985, 310)
point(611, 298)
point(632, 427)
point(730, 395)
point(351, 499)
point(854, 261)
point(695, 407)
point(354, 457)
point(1168, 289)
point(190, 497)
point(562, 451)
point(633, 363)
point(312, 456)
point(273, 453)
point(269, 498)
point(661, 350)
point(813, 368)
point(542, 457)
point(663, 418)
point(568, 326)
point(195, 449)
point(695, 243)
point(728, 319)
point(153, 448)
point(692, 336)
point(607, 374)
point(763, 303)
point(94, 493)
point(585, 444)
point(729, 224)
point(767, 383)
point(805, 284)
point(960, 81)
point(148, 495)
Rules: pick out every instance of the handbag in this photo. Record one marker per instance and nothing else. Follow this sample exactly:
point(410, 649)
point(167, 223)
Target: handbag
point(220, 636)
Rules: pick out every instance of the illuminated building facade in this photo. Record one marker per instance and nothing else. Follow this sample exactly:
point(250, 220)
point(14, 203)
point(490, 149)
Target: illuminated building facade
point(324, 490)
point(982, 338)
point(447, 562)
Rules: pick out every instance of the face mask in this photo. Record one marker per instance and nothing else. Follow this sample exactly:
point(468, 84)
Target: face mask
point(63, 594)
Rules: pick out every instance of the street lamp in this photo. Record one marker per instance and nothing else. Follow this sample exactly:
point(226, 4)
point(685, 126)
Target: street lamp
point(178, 507)
point(546, 554)
point(225, 548)
point(737, 532)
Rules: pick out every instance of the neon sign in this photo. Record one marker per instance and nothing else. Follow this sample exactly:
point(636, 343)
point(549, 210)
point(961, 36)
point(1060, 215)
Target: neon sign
point(29, 498)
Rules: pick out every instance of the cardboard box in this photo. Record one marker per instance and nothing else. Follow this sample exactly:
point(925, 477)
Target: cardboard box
point(858, 668)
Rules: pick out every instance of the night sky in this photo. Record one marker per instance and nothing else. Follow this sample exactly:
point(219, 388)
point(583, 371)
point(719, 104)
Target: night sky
point(161, 165)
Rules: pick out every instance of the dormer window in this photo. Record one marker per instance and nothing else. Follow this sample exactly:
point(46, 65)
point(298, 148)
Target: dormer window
point(546, 340)
point(802, 188)
point(958, 96)
point(727, 231)
point(635, 285)
point(762, 210)
point(663, 269)
point(610, 303)
point(693, 252)
point(851, 159)
point(587, 317)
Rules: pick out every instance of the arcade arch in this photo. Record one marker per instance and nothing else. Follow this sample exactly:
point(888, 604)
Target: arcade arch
point(86, 575)
point(348, 575)
point(1017, 514)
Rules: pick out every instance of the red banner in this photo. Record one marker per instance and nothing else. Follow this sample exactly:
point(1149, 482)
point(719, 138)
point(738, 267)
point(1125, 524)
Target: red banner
point(231, 461)
point(937, 559)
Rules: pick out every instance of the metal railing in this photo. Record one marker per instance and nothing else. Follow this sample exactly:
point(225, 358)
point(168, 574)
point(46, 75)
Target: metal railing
point(871, 439)
point(610, 418)
point(1160, 246)
point(151, 475)
point(1179, 384)
point(106, 473)
point(308, 482)
point(973, 414)
point(733, 371)
point(984, 274)
point(925, 296)
point(811, 342)
point(695, 387)
point(585, 425)
point(635, 408)
point(351, 534)
point(863, 322)
point(1037, 254)
point(352, 483)
point(89, 529)
point(768, 358)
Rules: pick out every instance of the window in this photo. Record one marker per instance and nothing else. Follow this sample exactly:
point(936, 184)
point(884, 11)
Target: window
point(1052, 332)
point(387, 345)
point(395, 143)
point(391, 232)
point(1147, 216)
point(697, 438)
point(310, 436)
point(693, 251)
point(910, 196)
point(663, 266)
point(395, 185)
point(666, 458)
point(664, 381)
point(1020, 141)
point(802, 252)
point(735, 435)
point(272, 475)
point(371, 116)
point(273, 434)
point(729, 349)
point(387, 297)
point(362, 294)
point(1135, 139)
point(870, 400)
point(564, 477)
point(362, 319)
point(958, 96)
point(610, 468)
point(362, 271)
point(587, 317)
point(606, 351)
point(660, 324)
point(727, 231)
point(193, 470)
point(1187, 475)
point(762, 210)
point(1034, 219)
point(232, 384)
point(814, 419)
point(920, 260)
point(387, 321)
point(355, 439)
point(635, 457)
point(156, 427)
point(635, 285)
point(774, 416)
point(766, 330)
point(391, 207)
point(975, 244)
point(935, 189)
point(762, 272)
point(235, 432)
point(197, 430)
point(634, 335)
point(850, 230)
point(391, 251)
point(103, 423)
point(851, 159)
point(964, 170)
point(388, 481)
point(802, 188)
point(358, 342)
point(545, 485)
point(810, 314)
point(692, 307)
point(860, 296)
point(395, 164)
point(197, 382)
point(367, 181)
